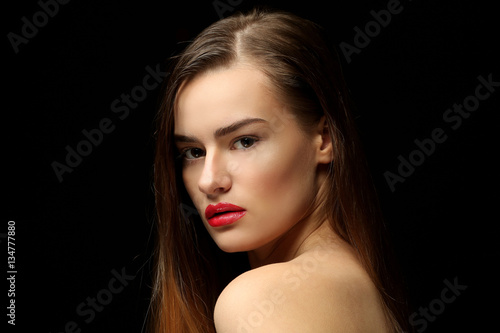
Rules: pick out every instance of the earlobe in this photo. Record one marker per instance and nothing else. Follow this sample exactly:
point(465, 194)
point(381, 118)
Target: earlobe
point(325, 150)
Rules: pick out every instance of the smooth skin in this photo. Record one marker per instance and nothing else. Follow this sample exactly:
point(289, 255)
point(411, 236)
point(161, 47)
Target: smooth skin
point(239, 144)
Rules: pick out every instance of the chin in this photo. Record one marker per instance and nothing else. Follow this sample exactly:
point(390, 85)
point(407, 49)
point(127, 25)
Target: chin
point(233, 247)
point(231, 244)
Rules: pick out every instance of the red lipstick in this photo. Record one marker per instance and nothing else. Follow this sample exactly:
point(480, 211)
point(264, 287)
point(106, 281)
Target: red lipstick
point(223, 213)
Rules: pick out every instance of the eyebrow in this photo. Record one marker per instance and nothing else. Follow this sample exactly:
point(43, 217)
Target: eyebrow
point(223, 131)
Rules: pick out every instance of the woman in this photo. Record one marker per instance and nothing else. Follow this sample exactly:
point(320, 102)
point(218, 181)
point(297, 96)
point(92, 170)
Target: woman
point(257, 150)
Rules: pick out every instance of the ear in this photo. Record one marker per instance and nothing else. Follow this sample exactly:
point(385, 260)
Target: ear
point(324, 151)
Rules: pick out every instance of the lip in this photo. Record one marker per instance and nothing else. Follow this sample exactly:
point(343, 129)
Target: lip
point(223, 213)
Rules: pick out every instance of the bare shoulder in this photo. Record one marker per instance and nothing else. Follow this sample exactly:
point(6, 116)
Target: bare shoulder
point(315, 292)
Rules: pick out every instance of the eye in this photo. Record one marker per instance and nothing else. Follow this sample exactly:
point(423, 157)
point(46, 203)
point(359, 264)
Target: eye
point(193, 153)
point(245, 142)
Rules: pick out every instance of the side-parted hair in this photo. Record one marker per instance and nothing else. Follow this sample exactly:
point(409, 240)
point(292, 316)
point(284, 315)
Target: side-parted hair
point(305, 74)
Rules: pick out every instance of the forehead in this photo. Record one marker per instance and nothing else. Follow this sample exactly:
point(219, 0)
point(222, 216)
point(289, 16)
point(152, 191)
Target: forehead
point(222, 96)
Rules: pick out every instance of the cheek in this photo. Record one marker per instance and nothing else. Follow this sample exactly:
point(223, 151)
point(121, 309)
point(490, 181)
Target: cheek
point(281, 176)
point(190, 177)
point(277, 189)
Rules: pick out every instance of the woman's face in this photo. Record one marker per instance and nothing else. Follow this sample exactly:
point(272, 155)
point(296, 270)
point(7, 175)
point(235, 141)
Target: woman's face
point(241, 147)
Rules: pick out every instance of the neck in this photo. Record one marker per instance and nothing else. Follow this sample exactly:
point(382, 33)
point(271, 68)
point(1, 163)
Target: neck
point(298, 240)
point(310, 229)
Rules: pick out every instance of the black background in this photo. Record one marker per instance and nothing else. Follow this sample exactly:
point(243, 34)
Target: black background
point(70, 235)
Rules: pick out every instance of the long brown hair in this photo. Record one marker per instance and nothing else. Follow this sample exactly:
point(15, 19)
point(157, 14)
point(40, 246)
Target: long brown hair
point(306, 75)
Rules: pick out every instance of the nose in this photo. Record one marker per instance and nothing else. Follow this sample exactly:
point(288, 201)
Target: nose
point(215, 177)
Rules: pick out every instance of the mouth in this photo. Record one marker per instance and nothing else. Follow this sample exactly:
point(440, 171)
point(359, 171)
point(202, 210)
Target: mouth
point(223, 213)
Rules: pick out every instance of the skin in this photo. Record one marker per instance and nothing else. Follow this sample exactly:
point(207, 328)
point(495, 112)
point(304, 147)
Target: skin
point(274, 170)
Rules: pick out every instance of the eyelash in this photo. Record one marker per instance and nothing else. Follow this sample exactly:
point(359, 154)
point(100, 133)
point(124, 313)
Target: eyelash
point(192, 160)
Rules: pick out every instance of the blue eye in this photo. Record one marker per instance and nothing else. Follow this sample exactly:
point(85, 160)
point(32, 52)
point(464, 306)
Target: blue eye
point(245, 142)
point(193, 153)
